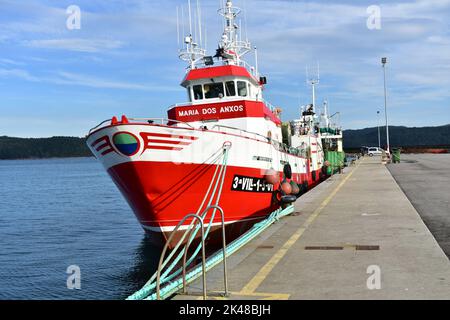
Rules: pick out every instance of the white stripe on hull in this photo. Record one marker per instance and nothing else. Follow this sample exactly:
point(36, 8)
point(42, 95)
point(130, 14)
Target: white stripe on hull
point(185, 227)
point(244, 152)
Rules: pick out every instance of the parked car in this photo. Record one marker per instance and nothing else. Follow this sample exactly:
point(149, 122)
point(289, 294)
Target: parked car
point(374, 151)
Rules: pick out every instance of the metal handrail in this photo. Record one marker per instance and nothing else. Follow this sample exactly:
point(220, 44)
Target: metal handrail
point(162, 277)
point(224, 245)
point(268, 104)
point(162, 120)
point(158, 276)
point(100, 124)
point(143, 119)
point(241, 130)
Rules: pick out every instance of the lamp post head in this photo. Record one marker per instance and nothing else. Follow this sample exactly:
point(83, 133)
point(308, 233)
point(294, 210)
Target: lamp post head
point(384, 60)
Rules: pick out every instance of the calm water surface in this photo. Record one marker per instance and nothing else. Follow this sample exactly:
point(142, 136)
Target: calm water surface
point(61, 212)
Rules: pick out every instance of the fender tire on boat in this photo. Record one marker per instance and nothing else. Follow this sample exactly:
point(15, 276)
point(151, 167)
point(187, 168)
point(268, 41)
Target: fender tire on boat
point(287, 170)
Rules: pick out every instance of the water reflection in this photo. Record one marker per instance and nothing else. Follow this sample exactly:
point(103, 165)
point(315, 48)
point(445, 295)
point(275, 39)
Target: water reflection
point(146, 258)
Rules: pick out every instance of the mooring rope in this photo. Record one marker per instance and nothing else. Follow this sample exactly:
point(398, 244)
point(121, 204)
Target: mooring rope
point(219, 181)
point(173, 282)
point(176, 285)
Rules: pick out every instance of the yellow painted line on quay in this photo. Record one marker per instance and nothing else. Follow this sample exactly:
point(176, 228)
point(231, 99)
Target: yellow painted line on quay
point(256, 281)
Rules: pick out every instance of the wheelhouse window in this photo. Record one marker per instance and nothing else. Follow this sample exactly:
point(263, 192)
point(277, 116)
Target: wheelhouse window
point(230, 88)
point(198, 92)
point(242, 88)
point(189, 93)
point(213, 90)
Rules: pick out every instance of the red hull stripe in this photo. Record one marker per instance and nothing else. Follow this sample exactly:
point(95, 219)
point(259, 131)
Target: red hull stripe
point(162, 135)
point(106, 144)
point(107, 151)
point(169, 142)
point(164, 148)
point(99, 140)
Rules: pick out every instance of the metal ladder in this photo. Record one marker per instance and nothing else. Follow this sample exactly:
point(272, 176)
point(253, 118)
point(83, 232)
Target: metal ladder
point(200, 220)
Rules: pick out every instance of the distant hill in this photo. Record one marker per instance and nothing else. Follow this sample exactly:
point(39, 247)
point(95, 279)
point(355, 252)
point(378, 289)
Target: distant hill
point(399, 137)
point(62, 147)
point(36, 148)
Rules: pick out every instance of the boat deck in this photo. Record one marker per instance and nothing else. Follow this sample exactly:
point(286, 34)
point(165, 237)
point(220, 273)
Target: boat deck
point(341, 235)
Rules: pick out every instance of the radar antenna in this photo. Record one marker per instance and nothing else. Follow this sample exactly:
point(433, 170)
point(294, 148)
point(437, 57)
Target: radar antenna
point(313, 82)
point(231, 46)
point(192, 51)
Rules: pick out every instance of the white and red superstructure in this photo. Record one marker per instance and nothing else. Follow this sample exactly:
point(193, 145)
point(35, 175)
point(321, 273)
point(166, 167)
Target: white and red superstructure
point(163, 169)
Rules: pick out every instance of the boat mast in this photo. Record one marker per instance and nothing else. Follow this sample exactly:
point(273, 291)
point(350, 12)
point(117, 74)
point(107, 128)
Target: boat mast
point(313, 82)
point(192, 52)
point(231, 46)
point(325, 114)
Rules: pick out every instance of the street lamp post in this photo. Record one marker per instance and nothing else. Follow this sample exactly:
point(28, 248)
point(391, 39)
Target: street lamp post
point(383, 62)
point(378, 123)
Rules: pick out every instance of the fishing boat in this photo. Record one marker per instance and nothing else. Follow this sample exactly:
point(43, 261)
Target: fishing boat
point(225, 146)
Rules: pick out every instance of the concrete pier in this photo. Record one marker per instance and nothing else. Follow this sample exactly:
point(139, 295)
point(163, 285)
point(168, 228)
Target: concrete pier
point(425, 179)
point(355, 236)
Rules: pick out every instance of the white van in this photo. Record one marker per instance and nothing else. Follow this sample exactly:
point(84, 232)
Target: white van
point(374, 151)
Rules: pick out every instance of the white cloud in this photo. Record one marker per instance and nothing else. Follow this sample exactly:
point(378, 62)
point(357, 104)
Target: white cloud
point(80, 45)
point(18, 73)
point(74, 79)
point(5, 61)
point(289, 34)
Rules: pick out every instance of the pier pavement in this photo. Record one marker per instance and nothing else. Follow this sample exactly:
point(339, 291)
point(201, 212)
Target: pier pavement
point(355, 236)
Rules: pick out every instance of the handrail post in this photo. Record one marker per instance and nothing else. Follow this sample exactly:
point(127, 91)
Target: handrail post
point(224, 244)
point(203, 259)
point(158, 275)
point(186, 247)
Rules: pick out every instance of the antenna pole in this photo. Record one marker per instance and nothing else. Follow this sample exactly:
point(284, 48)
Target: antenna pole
point(178, 28)
point(314, 96)
point(256, 62)
point(313, 82)
point(194, 52)
point(245, 20)
point(182, 21)
point(240, 29)
point(199, 22)
point(318, 71)
point(190, 17)
point(327, 118)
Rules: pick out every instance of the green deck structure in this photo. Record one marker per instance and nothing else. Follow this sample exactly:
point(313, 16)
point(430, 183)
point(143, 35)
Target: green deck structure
point(336, 160)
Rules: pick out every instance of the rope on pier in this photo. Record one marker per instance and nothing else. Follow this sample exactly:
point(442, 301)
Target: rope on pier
point(148, 292)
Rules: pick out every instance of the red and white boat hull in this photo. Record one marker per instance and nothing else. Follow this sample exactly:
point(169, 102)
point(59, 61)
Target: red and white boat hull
point(164, 175)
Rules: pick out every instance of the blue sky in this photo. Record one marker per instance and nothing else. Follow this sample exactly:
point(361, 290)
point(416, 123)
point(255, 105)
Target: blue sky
point(123, 60)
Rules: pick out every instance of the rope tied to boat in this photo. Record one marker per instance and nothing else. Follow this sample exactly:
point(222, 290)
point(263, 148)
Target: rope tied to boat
point(173, 283)
point(220, 158)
